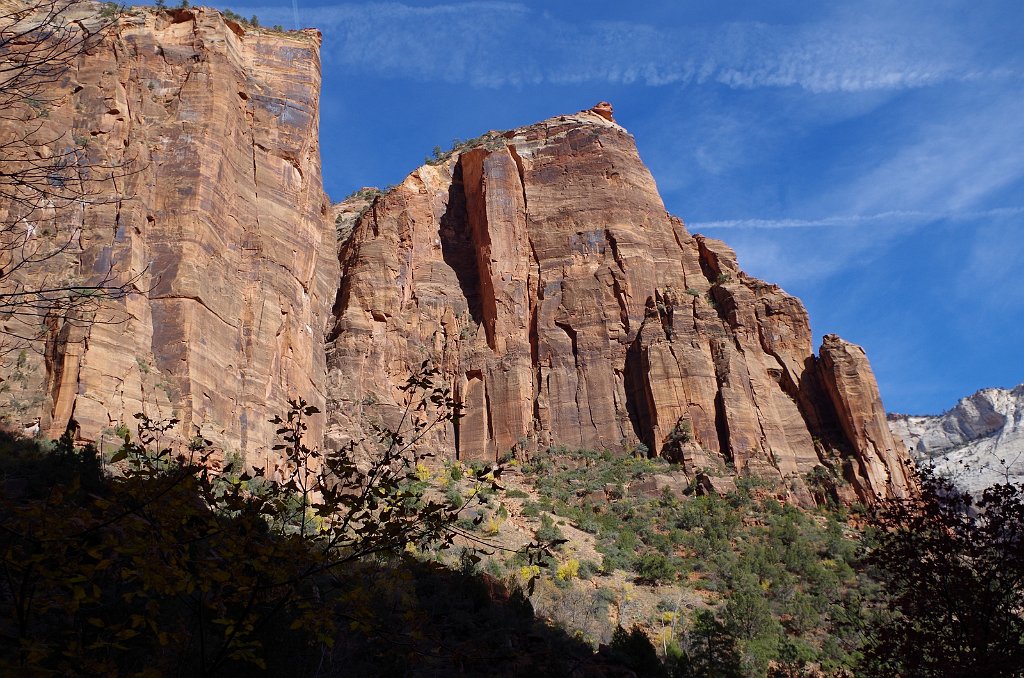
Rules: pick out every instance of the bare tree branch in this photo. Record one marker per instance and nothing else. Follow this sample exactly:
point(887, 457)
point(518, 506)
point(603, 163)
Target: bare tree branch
point(49, 178)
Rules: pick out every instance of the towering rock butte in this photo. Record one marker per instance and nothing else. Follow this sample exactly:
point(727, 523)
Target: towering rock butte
point(220, 214)
point(539, 271)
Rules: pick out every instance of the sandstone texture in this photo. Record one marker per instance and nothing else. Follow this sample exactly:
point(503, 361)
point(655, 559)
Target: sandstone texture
point(538, 270)
point(977, 443)
point(220, 218)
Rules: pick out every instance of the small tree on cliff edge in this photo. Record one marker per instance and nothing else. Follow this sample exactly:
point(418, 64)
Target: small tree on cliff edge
point(47, 177)
point(953, 568)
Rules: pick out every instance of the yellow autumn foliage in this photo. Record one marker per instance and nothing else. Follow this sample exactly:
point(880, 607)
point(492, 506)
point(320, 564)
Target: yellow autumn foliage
point(570, 569)
point(528, 572)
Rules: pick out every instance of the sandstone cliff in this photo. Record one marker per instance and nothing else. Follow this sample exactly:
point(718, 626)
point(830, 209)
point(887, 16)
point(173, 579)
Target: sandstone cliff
point(977, 443)
point(539, 270)
point(219, 214)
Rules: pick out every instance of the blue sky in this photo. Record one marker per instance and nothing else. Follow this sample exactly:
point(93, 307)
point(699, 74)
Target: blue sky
point(867, 156)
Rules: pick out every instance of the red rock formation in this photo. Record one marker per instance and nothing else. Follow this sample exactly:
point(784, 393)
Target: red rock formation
point(222, 215)
point(881, 457)
point(539, 271)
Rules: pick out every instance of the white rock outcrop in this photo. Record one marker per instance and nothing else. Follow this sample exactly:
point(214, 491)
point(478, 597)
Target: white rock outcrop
point(978, 443)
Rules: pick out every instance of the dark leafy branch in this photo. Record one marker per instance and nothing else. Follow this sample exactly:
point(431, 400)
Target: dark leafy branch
point(193, 569)
point(953, 568)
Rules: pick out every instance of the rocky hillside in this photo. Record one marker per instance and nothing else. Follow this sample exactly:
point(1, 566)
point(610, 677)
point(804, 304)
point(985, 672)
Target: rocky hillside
point(978, 442)
point(539, 270)
point(219, 216)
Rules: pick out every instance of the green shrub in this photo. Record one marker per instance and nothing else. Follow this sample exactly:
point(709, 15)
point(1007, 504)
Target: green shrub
point(655, 568)
point(453, 496)
point(588, 568)
point(548, 531)
point(777, 569)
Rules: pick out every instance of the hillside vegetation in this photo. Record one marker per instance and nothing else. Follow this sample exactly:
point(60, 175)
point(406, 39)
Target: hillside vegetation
point(145, 562)
point(739, 583)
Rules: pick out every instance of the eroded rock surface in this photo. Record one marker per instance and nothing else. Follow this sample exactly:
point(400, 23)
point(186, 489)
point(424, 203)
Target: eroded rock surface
point(539, 271)
point(220, 217)
point(880, 457)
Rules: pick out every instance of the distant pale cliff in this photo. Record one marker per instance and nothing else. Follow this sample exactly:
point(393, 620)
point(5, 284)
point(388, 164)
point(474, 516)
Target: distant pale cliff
point(977, 443)
point(539, 270)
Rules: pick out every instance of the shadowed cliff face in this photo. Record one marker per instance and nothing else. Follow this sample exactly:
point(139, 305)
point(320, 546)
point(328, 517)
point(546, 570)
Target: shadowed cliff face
point(540, 272)
point(221, 214)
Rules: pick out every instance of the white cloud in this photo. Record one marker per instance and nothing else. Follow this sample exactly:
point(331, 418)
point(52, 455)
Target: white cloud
point(798, 252)
point(958, 163)
point(968, 151)
point(903, 218)
point(495, 44)
point(991, 277)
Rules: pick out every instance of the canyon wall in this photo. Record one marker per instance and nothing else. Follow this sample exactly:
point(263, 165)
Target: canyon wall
point(214, 212)
point(538, 270)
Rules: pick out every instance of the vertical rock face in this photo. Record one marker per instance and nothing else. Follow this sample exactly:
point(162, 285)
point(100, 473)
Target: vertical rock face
point(219, 214)
point(881, 456)
point(539, 271)
point(536, 269)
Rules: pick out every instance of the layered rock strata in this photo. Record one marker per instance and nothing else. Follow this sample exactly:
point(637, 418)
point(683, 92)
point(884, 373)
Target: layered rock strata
point(977, 443)
point(219, 218)
point(539, 271)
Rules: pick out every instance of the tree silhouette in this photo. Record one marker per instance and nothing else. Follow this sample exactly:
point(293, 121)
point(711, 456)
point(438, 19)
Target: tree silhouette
point(162, 564)
point(953, 569)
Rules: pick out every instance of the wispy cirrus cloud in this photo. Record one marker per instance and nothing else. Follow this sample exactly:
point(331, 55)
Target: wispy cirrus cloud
point(495, 44)
point(960, 163)
point(901, 217)
point(953, 159)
